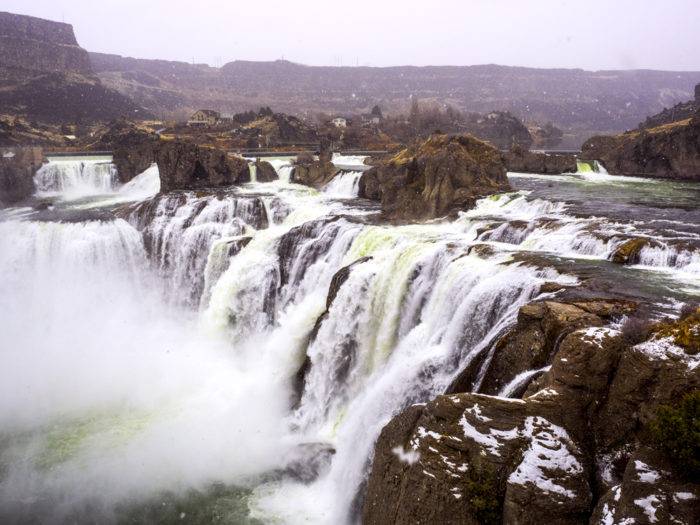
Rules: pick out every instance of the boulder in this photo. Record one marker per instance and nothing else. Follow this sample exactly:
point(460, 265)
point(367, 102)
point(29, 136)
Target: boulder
point(264, 172)
point(628, 251)
point(185, 166)
point(17, 169)
point(311, 172)
point(443, 175)
point(523, 161)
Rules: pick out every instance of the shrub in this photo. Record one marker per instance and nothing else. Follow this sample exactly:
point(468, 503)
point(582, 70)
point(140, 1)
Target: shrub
point(688, 309)
point(676, 432)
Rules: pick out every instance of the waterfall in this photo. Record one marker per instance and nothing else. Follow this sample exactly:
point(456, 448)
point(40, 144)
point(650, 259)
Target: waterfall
point(243, 335)
point(76, 178)
point(520, 381)
point(345, 184)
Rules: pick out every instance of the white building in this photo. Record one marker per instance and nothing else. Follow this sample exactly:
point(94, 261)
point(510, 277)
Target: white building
point(340, 122)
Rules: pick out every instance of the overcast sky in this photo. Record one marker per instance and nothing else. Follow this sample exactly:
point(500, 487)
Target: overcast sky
point(591, 34)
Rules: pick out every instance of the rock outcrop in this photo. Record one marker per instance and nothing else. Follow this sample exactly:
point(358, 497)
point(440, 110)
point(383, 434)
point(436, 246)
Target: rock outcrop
point(34, 44)
point(575, 449)
point(17, 169)
point(520, 160)
point(186, 166)
point(133, 149)
point(264, 172)
point(681, 111)
point(442, 175)
point(669, 151)
point(499, 128)
point(45, 75)
point(314, 173)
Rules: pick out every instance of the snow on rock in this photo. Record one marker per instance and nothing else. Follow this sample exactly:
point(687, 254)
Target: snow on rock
point(665, 349)
point(645, 473)
point(649, 505)
point(551, 450)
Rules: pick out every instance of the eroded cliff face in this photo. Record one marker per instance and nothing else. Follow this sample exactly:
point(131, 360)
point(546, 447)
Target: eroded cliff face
point(574, 448)
point(187, 166)
point(668, 151)
point(442, 175)
point(46, 75)
point(34, 44)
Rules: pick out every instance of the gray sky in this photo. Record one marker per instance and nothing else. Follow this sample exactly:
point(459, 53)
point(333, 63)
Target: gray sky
point(591, 34)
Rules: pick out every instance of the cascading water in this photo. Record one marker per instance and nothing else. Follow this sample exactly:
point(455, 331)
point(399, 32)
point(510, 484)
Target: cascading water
point(345, 185)
point(76, 178)
point(160, 347)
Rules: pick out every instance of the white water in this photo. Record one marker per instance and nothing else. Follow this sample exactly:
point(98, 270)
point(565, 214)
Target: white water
point(157, 351)
point(76, 178)
point(520, 380)
point(345, 184)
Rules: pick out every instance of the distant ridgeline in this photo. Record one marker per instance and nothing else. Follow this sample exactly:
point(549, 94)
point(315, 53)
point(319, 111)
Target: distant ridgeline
point(45, 75)
point(573, 99)
point(681, 111)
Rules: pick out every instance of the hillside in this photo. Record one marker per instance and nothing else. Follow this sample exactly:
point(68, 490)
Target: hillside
point(45, 75)
point(580, 102)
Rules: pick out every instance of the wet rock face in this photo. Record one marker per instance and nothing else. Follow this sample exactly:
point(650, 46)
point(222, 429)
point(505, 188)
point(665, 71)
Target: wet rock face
point(17, 169)
point(541, 329)
point(667, 151)
point(574, 449)
point(628, 251)
point(438, 177)
point(184, 165)
point(523, 161)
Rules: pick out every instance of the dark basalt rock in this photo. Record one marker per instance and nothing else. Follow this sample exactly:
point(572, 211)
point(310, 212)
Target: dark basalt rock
point(264, 172)
point(628, 251)
point(520, 160)
point(443, 175)
point(669, 151)
point(185, 165)
point(314, 173)
point(574, 449)
point(133, 149)
point(17, 169)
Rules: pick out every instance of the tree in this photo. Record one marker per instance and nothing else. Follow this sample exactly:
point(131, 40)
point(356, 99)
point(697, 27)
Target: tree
point(377, 112)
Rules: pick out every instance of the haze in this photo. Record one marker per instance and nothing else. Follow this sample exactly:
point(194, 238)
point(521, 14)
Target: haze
point(598, 34)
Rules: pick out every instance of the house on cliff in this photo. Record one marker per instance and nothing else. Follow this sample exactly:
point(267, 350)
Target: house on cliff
point(204, 117)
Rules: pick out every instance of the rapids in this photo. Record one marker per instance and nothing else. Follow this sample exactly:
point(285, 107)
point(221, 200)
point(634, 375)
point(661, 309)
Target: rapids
point(176, 356)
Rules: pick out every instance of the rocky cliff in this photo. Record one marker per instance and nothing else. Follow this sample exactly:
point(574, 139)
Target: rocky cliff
point(668, 151)
point(45, 75)
point(602, 436)
point(187, 166)
point(34, 44)
point(442, 175)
